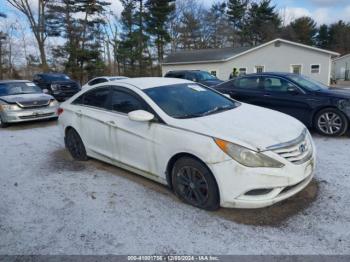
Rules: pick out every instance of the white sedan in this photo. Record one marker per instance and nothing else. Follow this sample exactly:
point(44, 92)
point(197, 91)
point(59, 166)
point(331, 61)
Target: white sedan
point(102, 79)
point(211, 150)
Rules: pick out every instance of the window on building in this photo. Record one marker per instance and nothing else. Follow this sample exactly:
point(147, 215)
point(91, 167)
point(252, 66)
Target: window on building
point(296, 69)
point(242, 71)
point(315, 69)
point(259, 69)
point(213, 72)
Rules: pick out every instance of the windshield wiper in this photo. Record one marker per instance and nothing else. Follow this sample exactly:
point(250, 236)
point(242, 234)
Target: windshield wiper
point(217, 110)
point(211, 111)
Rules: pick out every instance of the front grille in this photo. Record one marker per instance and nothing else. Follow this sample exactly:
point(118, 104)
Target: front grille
point(36, 116)
point(67, 87)
point(297, 151)
point(34, 104)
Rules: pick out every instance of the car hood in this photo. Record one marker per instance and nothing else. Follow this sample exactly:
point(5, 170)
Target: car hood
point(338, 92)
point(253, 127)
point(23, 98)
point(211, 82)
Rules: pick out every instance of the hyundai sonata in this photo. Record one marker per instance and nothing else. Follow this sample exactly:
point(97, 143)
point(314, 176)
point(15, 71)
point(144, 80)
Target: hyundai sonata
point(211, 150)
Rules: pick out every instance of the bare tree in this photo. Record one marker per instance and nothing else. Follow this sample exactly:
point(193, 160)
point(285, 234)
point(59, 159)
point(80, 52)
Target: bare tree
point(37, 24)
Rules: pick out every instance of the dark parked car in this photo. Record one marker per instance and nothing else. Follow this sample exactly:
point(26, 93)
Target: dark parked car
point(316, 105)
point(58, 85)
point(201, 77)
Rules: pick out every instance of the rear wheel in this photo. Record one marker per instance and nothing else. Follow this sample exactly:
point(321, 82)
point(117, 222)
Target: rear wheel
point(194, 184)
point(75, 145)
point(331, 122)
point(3, 124)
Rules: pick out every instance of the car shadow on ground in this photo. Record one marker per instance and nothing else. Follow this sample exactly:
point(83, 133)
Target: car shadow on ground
point(275, 216)
point(31, 124)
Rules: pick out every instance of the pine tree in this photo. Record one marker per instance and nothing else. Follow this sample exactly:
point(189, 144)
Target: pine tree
point(128, 44)
point(263, 22)
point(158, 15)
point(305, 30)
point(322, 37)
point(83, 34)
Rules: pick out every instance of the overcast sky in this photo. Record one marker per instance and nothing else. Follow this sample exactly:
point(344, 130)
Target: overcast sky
point(323, 11)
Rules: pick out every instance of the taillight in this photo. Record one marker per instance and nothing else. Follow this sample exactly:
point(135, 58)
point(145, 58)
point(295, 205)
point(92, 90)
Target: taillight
point(59, 111)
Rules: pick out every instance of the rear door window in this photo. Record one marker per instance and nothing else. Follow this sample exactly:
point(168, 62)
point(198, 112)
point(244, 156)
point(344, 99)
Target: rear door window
point(96, 98)
point(248, 83)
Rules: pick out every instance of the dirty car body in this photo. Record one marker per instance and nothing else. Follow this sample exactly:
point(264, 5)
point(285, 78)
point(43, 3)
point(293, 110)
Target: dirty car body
point(22, 100)
point(255, 156)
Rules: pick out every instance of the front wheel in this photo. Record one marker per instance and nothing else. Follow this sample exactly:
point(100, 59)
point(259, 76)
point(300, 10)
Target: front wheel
point(194, 184)
point(2, 123)
point(75, 145)
point(331, 122)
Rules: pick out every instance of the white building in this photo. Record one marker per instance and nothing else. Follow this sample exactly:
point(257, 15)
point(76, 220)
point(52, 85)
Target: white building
point(341, 68)
point(278, 55)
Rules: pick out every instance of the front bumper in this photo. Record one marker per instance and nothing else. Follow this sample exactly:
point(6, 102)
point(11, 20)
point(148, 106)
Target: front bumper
point(274, 184)
point(29, 114)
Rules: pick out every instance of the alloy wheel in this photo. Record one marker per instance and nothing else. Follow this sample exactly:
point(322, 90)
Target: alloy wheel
point(192, 185)
point(75, 146)
point(330, 123)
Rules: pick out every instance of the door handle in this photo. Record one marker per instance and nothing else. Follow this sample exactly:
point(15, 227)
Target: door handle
point(111, 123)
point(79, 113)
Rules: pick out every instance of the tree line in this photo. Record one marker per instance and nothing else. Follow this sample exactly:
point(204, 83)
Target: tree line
point(87, 39)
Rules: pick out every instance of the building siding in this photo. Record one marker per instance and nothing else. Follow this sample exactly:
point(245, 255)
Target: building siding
point(340, 67)
point(273, 58)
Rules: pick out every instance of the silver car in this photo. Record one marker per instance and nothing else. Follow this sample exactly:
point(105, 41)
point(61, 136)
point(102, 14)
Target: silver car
point(22, 100)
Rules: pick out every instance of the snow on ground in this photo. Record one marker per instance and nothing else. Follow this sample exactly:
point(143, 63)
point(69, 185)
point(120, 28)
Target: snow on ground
point(50, 204)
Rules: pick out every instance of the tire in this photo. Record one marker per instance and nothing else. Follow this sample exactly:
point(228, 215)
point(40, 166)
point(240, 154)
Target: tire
point(331, 122)
point(75, 145)
point(3, 124)
point(194, 184)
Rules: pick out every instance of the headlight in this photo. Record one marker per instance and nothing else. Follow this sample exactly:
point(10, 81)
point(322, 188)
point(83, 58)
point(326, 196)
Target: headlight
point(54, 87)
point(246, 156)
point(9, 107)
point(53, 103)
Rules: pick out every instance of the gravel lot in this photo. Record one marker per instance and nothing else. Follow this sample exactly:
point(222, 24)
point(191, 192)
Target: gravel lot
point(50, 204)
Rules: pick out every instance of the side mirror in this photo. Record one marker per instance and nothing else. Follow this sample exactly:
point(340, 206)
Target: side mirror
point(45, 91)
point(140, 116)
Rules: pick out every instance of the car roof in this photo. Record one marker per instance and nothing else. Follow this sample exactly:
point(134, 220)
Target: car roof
point(272, 74)
point(55, 74)
point(13, 81)
point(180, 71)
point(150, 82)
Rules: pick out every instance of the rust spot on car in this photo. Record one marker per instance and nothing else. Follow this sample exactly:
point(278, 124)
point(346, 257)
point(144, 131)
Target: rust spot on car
point(276, 215)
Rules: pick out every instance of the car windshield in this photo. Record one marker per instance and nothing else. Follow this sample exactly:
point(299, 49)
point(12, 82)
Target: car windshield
point(204, 76)
point(55, 77)
point(308, 83)
point(16, 88)
point(189, 100)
